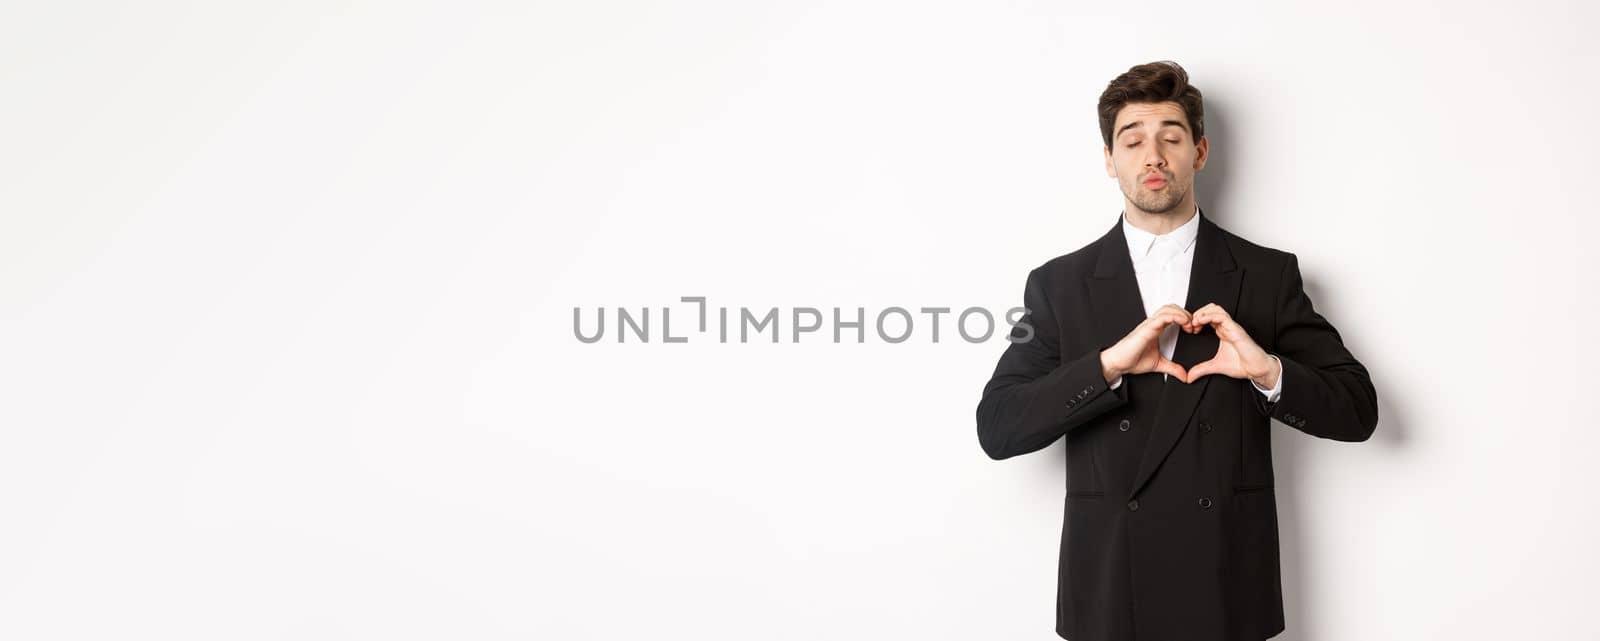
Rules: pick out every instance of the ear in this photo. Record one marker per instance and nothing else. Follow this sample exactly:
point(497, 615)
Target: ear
point(1111, 169)
point(1203, 152)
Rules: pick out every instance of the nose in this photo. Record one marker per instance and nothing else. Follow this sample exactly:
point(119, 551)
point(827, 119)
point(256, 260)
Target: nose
point(1153, 158)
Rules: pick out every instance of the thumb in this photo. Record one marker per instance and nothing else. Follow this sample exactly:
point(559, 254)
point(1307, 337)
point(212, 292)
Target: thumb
point(1173, 369)
point(1202, 369)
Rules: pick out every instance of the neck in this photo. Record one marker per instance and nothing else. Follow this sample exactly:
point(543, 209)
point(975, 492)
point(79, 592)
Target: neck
point(1159, 223)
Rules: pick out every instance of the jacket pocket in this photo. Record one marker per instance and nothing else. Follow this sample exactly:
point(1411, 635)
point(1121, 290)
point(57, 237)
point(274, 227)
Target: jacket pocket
point(1255, 487)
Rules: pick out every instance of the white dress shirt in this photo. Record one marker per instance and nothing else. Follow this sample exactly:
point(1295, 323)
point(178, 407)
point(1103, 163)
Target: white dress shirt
point(1162, 265)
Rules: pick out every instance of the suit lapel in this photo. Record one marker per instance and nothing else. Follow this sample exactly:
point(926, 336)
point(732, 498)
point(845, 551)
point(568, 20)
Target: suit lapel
point(1214, 277)
point(1114, 290)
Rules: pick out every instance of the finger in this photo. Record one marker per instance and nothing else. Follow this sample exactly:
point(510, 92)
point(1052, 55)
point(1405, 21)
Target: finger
point(1169, 311)
point(1225, 325)
point(1152, 326)
point(1215, 316)
point(1173, 369)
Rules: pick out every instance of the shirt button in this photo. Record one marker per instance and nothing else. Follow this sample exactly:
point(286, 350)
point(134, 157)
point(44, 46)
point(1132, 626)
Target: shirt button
point(1124, 425)
point(1133, 505)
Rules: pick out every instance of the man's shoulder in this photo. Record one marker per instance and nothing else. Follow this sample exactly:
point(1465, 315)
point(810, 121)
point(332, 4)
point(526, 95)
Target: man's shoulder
point(1252, 255)
point(1078, 262)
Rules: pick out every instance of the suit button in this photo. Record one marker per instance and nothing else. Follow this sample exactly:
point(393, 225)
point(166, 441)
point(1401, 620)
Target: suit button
point(1205, 503)
point(1205, 427)
point(1133, 505)
point(1124, 425)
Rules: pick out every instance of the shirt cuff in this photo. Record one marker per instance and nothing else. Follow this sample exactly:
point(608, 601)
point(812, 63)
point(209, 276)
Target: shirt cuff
point(1277, 386)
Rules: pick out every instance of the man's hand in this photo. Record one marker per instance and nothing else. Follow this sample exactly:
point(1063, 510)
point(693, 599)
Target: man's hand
point(1140, 351)
point(1238, 356)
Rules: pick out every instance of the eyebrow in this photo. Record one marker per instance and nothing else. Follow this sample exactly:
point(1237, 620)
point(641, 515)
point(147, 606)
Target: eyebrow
point(1164, 123)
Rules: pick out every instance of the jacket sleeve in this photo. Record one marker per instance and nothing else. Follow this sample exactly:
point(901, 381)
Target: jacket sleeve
point(1033, 398)
point(1327, 393)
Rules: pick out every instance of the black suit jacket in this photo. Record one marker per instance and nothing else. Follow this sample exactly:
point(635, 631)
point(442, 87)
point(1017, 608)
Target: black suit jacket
point(1170, 527)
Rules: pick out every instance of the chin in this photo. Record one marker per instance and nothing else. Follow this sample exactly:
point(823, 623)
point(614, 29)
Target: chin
point(1159, 208)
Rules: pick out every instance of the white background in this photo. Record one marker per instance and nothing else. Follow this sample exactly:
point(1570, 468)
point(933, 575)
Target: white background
point(286, 295)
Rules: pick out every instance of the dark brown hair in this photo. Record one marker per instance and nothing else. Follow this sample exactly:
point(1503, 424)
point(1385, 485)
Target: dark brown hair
point(1160, 81)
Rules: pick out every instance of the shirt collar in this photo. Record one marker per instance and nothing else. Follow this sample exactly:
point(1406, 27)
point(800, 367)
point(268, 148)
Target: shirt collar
point(1139, 240)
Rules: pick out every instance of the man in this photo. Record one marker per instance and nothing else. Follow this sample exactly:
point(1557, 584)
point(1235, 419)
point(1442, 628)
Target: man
point(1158, 352)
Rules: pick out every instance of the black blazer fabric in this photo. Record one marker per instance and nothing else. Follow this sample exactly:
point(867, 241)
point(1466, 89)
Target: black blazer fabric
point(1170, 526)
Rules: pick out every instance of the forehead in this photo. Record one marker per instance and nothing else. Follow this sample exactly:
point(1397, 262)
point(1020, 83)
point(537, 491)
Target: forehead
point(1149, 115)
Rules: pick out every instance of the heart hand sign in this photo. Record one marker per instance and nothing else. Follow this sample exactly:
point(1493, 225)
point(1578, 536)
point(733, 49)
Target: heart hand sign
point(1238, 356)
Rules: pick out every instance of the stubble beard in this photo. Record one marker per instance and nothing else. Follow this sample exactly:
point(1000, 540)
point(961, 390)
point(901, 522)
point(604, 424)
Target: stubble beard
point(1157, 202)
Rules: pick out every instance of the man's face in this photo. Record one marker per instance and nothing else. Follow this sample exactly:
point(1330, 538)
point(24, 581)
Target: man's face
point(1154, 156)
